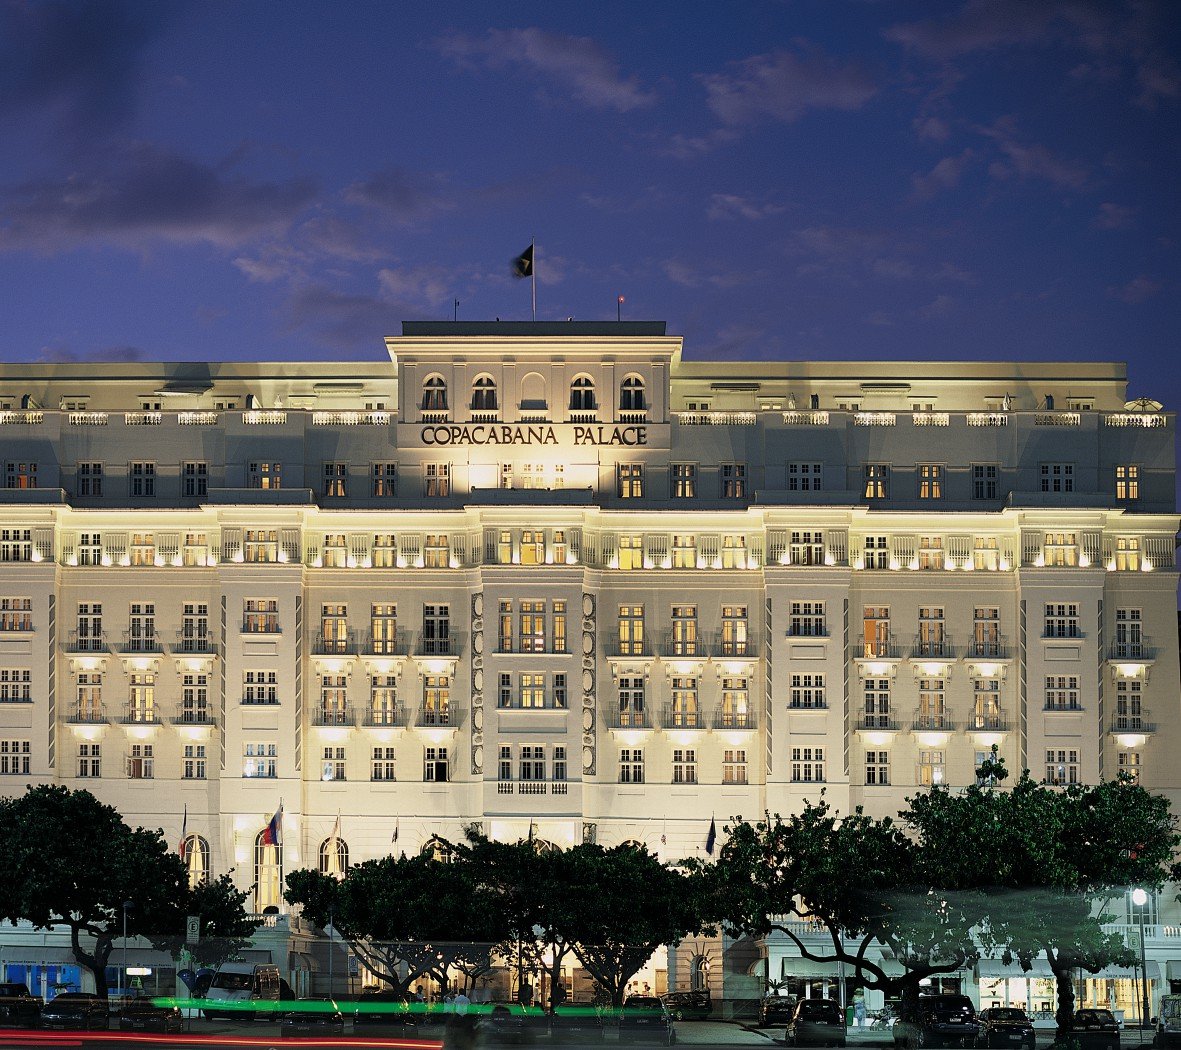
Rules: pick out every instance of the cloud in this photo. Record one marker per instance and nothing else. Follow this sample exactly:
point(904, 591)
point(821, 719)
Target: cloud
point(403, 197)
point(940, 306)
point(78, 61)
point(1138, 290)
point(931, 127)
point(944, 176)
point(1114, 216)
point(143, 194)
point(578, 64)
point(355, 323)
point(732, 206)
point(1031, 160)
point(424, 286)
point(977, 26)
point(105, 354)
point(722, 276)
point(784, 85)
point(686, 147)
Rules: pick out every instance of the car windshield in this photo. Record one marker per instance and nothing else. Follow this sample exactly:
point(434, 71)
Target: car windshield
point(1002, 1013)
point(233, 982)
point(814, 1011)
point(642, 1002)
point(1095, 1017)
point(952, 1006)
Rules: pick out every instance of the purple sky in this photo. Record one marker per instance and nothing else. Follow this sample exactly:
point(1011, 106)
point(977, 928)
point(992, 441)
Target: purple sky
point(808, 178)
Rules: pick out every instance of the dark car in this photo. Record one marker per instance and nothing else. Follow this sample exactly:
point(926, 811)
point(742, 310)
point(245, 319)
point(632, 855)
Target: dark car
point(76, 1010)
point(644, 1018)
point(687, 1006)
point(816, 1022)
point(569, 1023)
point(776, 1009)
point(1096, 1030)
point(509, 1024)
point(386, 1010)
point(942, 1020)
point(142, 1015)
point(1002, 1026)
point(17, 1006)
point(312, 1016)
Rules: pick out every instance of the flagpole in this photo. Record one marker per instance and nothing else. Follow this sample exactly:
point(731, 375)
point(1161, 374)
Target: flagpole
point(533, 275)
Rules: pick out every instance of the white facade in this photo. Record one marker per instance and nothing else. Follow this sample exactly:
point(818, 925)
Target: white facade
point(553, 576)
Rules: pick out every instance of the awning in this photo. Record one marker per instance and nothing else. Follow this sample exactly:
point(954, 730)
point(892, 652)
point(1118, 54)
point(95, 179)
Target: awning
point(994, 968)
point(17, 955)
point(1173, 970)
point(1115, 973)
point(794, 966)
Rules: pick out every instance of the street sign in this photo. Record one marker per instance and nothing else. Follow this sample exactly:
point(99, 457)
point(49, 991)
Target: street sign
point(192, 929)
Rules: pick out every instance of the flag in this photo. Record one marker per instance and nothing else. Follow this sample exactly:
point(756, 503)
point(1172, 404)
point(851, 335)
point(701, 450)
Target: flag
point(334, 848)
point(272, 834)
point(184, 831)
point(712, 837)
point(395, 837)
point(523, 263)
point(531, 830)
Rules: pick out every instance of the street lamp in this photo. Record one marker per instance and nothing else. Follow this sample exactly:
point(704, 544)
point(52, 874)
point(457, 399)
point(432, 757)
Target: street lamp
point(127, 906)
point(1140, 901)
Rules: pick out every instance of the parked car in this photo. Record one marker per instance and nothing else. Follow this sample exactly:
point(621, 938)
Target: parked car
point(143, 1015)
point(776, 1009)
point(1002, 1026)
point(816, 1022)
point(76, 1010)
point(643, 1018)
point(312, 1016)
point(575, 1024)
point(1096, 1030)
point(385, 1009)
point(942, 1020)
point(239, 985)
point(509, 1024)
point(687, 1006)
point(1167, 1032)
point(17, 1006)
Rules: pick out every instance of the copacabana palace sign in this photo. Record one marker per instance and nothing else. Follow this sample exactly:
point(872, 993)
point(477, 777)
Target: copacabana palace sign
point(535, 434)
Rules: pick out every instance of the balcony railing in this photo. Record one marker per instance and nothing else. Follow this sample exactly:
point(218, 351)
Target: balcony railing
point(632, 415)
point(1131, 724)
point(932, 724)
point(335, 644)
point(384, 717)
point(880, 723)
point(735, 720)
point(187, 715)
point(389, 643)
point(617, 719)
point(583, 415)
point(434, 415)
point(988, 724)
point(350, 419)
point(678, 645)
point(676, 718)
point(87, 643)
point(813, 418)
point(87, 715)
point(932, 649)
point(187, 642)
point(1140, 650)
point(988, 650)
point(717, 419)
point(332, 716)
point(433, 645)
point(483, 415)
point(877, 649)
point(445, 716)
point(139, 642)
point(736, 648)
point(261, 624)
point(140, 714)
point(640, 647)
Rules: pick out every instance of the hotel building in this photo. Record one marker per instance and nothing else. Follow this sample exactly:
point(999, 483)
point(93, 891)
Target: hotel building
point(553, 578)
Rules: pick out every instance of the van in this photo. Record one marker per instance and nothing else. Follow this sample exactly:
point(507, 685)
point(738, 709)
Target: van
point(241, 983)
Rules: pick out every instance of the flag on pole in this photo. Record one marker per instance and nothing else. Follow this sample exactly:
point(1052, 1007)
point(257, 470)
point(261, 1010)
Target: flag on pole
point(334, 867)
point(184, 831)
point(712, 838)
point(272, 834)
point(523, 264)
point(530, 830)
point(395, 836)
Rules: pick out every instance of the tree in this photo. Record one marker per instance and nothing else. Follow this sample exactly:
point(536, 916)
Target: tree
point(68, 860)
point(225, 925)
point(858, 881)
point(618, 906)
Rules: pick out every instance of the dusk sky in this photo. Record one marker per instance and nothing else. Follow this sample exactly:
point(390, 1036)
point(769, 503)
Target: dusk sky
point(800, 179)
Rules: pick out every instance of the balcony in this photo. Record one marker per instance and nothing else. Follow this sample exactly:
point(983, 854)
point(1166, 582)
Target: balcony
point(988, 724)
point(87, 715)
point(877, 649)
point(877, 724)
point(389, 717)
point(434, 415)
point(445, 717)
point(814, 418)
point(684, 645)
point(335, 643)
point(387, 643)
point(932, 724)
point(261, 625)
point(989, 649)
point(351, 419)
point(583, 416)
point(617, 719)
point(621, 649)
point(674, 718)
point(717, 419)
point(188, 715)
point(1135, 651)
point(932, 649)
point(730, 720)
point(140, 642)
point(140, 715)
point(725, 648)
point(188, 643)
point(632, 415)
point(332, 716)
point(1131, 724)
point(483, 415)
point(447, 645)
point(87, 643)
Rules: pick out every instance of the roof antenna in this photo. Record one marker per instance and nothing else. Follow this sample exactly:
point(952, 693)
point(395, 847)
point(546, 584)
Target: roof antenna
point(455, 311)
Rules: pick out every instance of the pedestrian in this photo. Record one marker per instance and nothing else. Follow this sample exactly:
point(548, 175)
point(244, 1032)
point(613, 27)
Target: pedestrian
point(460, 1002)
point(418, 996)
point(859, 1010)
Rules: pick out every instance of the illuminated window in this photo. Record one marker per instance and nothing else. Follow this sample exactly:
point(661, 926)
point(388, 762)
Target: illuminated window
point(194, 853)
point(434, 394)
point(877, 703)
point(630, 481)
point(930, 481)
point(437, 480)
point(733, 481)
point(930, 552)
point(931, 768)
point(734, 766)
point(335, 479)
point(334, 856)
point(877, 481)
point(385, 476)
point(1127, 554)
point(1060, 548)
point(1127, 481)
point(684, 765)
point(631, 552)
point(684, 480)
point(264, 475)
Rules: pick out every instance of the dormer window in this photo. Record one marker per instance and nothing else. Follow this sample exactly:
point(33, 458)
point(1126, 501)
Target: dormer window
point(484, 394)
point(631, 395)
point(582, 394)
point(434, 394)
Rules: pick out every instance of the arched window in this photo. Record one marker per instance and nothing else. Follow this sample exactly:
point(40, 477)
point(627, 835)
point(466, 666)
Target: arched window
point(533, 399)
point(582, 394)
point(631, 394)
point(268, 874)
point(195, 854)
point(334, 861)
point(635, 844)
point(699, 973)
point(438, 849)
point(484, 394)
point(434, 394)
